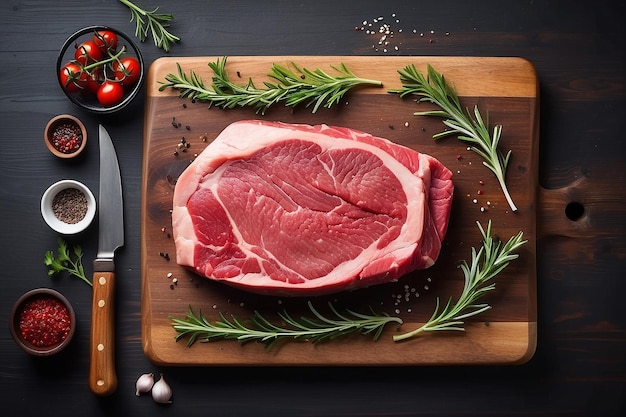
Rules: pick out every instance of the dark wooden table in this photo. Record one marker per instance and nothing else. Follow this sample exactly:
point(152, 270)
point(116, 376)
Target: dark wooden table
point(578, 49)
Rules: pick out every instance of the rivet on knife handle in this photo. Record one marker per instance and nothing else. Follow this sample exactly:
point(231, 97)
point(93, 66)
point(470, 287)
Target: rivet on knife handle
point(102, 375)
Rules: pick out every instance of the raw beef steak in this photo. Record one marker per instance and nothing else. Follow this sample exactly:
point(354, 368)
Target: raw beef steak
point(305, 210)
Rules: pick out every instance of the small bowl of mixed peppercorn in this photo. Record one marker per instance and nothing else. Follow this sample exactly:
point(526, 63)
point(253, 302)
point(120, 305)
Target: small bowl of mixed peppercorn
point(65, 136)
point(42, 322)
point(100, 69)
point(68, 207)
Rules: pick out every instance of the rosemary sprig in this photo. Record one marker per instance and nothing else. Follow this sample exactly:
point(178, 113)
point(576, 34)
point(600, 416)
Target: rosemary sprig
point(488, 262)
point(64, 262)
point(293, 86)
point(470, 129)
point(152, 23)
point(314, 329)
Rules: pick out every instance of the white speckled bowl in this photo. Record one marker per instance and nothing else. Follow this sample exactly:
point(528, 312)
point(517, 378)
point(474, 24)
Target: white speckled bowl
point(58, 225)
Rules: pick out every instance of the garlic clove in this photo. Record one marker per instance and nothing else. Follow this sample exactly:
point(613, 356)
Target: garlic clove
point(144, 384)
point(161, 391)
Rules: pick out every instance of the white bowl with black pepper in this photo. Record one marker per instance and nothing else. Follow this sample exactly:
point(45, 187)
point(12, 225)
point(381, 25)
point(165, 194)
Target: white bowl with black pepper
point(68, 207)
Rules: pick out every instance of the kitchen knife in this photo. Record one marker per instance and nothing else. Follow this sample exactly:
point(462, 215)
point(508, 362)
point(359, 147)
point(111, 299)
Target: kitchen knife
point(102, 375)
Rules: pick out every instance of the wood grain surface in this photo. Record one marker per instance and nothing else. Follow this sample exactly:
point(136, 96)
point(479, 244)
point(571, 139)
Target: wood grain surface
point(503, 88)
point(579, 52)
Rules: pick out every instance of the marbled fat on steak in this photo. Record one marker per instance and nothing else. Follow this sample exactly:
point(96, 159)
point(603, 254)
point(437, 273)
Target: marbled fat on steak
point(295, 210)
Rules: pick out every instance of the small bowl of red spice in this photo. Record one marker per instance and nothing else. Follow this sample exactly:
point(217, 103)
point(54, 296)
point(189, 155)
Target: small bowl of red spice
point(42, 322)
point(65, 136)
point(68, 207)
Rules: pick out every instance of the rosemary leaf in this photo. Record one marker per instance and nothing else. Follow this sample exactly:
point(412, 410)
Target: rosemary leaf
point(292, 86)
point(485, 264)
point(469, 126)
point(152, 23)
point(316, 329)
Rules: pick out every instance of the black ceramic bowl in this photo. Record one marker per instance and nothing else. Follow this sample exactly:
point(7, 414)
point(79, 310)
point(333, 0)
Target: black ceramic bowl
point(85, 98)
point(48, 320)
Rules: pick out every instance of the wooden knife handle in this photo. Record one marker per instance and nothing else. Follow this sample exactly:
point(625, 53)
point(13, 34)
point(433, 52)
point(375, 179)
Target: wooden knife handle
point(102, 376)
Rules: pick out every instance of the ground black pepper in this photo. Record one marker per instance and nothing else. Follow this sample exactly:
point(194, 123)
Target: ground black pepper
point(70, 205)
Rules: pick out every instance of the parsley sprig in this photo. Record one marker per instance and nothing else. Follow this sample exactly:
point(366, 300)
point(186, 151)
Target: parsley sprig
point(291, 86)
point(149, 22)
point(486, 263)
point(64, 262)
point(469, 126)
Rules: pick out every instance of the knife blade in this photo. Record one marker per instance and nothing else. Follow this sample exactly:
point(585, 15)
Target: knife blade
point(102, 374)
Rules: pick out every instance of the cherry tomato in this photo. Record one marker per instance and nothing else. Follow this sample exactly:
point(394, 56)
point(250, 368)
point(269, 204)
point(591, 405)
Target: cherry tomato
point(72, 77)
point(127, 71)
point(94, 80)
point(105, 40)
point(110, 93)
point(87, 52)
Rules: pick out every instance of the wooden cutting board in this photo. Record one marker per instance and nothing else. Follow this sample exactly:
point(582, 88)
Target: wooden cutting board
point(504, 88)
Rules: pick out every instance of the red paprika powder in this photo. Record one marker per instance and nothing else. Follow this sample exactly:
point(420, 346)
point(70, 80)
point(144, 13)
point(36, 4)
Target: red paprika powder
point(44, 322)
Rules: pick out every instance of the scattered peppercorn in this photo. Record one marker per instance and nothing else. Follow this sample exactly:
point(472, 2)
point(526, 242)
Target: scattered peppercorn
point(67, 138)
